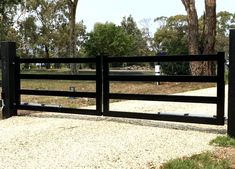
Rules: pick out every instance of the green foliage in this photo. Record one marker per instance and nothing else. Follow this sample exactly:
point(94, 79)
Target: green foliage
point(45, 31)
point(225, 21)
point(200, 161)
point(139, 46)
point(171, 38)
point(224, 141)
point(108, 39)
point(175, 68)
point(7, 13)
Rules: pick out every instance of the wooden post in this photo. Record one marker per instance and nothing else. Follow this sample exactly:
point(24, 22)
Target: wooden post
point(231, 93)
point(8, 56)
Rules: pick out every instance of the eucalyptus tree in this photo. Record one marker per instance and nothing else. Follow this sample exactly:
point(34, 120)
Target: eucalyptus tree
point(28, 33)
point(225, 21)
point(208, 35)
point(171, 36)
point(62, 38)
point(48, 17)
point(8, 10)
point(70, 9)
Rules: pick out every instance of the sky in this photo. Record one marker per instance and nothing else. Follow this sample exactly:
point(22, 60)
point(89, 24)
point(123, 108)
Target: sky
point(92, 11)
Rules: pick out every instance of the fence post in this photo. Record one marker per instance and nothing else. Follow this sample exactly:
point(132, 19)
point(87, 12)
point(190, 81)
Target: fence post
point(231, 93)
point(8, 56)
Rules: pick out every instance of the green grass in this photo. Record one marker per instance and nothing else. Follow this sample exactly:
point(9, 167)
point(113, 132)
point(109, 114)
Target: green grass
point(199, 161)
point(223, 141)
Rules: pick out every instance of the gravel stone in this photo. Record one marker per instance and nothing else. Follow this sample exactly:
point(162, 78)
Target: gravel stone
point(52, 141)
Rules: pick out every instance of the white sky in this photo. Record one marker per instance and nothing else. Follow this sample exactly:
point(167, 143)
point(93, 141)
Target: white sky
point(92, 11)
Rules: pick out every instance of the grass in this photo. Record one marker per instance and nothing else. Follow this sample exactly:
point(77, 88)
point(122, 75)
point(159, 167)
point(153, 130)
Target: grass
point(223, 158)
point(200, 161)
point(223, 141)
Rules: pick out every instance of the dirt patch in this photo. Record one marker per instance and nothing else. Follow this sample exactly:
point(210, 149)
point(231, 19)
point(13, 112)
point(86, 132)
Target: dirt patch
point(226, 153)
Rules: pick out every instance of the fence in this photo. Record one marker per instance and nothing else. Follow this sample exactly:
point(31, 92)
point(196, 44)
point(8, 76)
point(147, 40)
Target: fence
point(12, 91)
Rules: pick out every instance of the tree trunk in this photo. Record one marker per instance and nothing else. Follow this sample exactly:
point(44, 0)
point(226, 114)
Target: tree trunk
point(73, 38)
point(47, 56)
point(193, 35)
point(209, 35)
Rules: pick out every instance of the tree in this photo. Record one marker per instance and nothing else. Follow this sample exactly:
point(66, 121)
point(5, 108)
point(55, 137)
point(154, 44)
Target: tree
point(7, 13)
point(209, 33)
point(145, 23)
point(108, 39)
point(62, 38)
point(139, 46)
point(28, 32)
point(171, 38)
point(72, 8)
point(193, 34)
point(225, 21)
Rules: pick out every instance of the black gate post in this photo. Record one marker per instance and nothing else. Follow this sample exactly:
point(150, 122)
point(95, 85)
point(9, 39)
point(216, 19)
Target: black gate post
point(231, 93)
point(99, 84)
point(8, 56)
point(220, 88)
point(105, 85)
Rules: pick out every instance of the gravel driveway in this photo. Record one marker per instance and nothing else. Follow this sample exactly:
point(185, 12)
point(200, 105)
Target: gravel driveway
point(52, 141)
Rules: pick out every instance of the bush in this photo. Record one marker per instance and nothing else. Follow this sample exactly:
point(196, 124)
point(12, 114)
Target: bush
point(175, 68)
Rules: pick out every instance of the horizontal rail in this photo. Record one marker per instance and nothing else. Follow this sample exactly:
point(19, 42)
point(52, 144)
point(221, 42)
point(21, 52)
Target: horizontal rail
point(166, 117)
point(169, 98)
point(58, 109)
point(209, 79)
point(57, 93)
point(173, 58)
point(58, 60)
point(58, 77)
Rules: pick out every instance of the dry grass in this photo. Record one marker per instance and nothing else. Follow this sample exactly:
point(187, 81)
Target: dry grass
point(116, 87)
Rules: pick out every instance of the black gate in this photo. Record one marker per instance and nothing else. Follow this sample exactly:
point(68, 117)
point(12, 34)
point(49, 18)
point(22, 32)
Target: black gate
point(218, 79)
point(12, 90)
point(97, 78)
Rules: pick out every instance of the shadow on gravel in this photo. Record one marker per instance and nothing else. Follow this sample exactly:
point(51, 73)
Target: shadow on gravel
point(147, 123)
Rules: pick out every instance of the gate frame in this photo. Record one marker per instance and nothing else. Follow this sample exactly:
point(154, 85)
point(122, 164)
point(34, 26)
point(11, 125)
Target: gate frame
point(218, 79)
point(11, 80)
point(97, 78)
